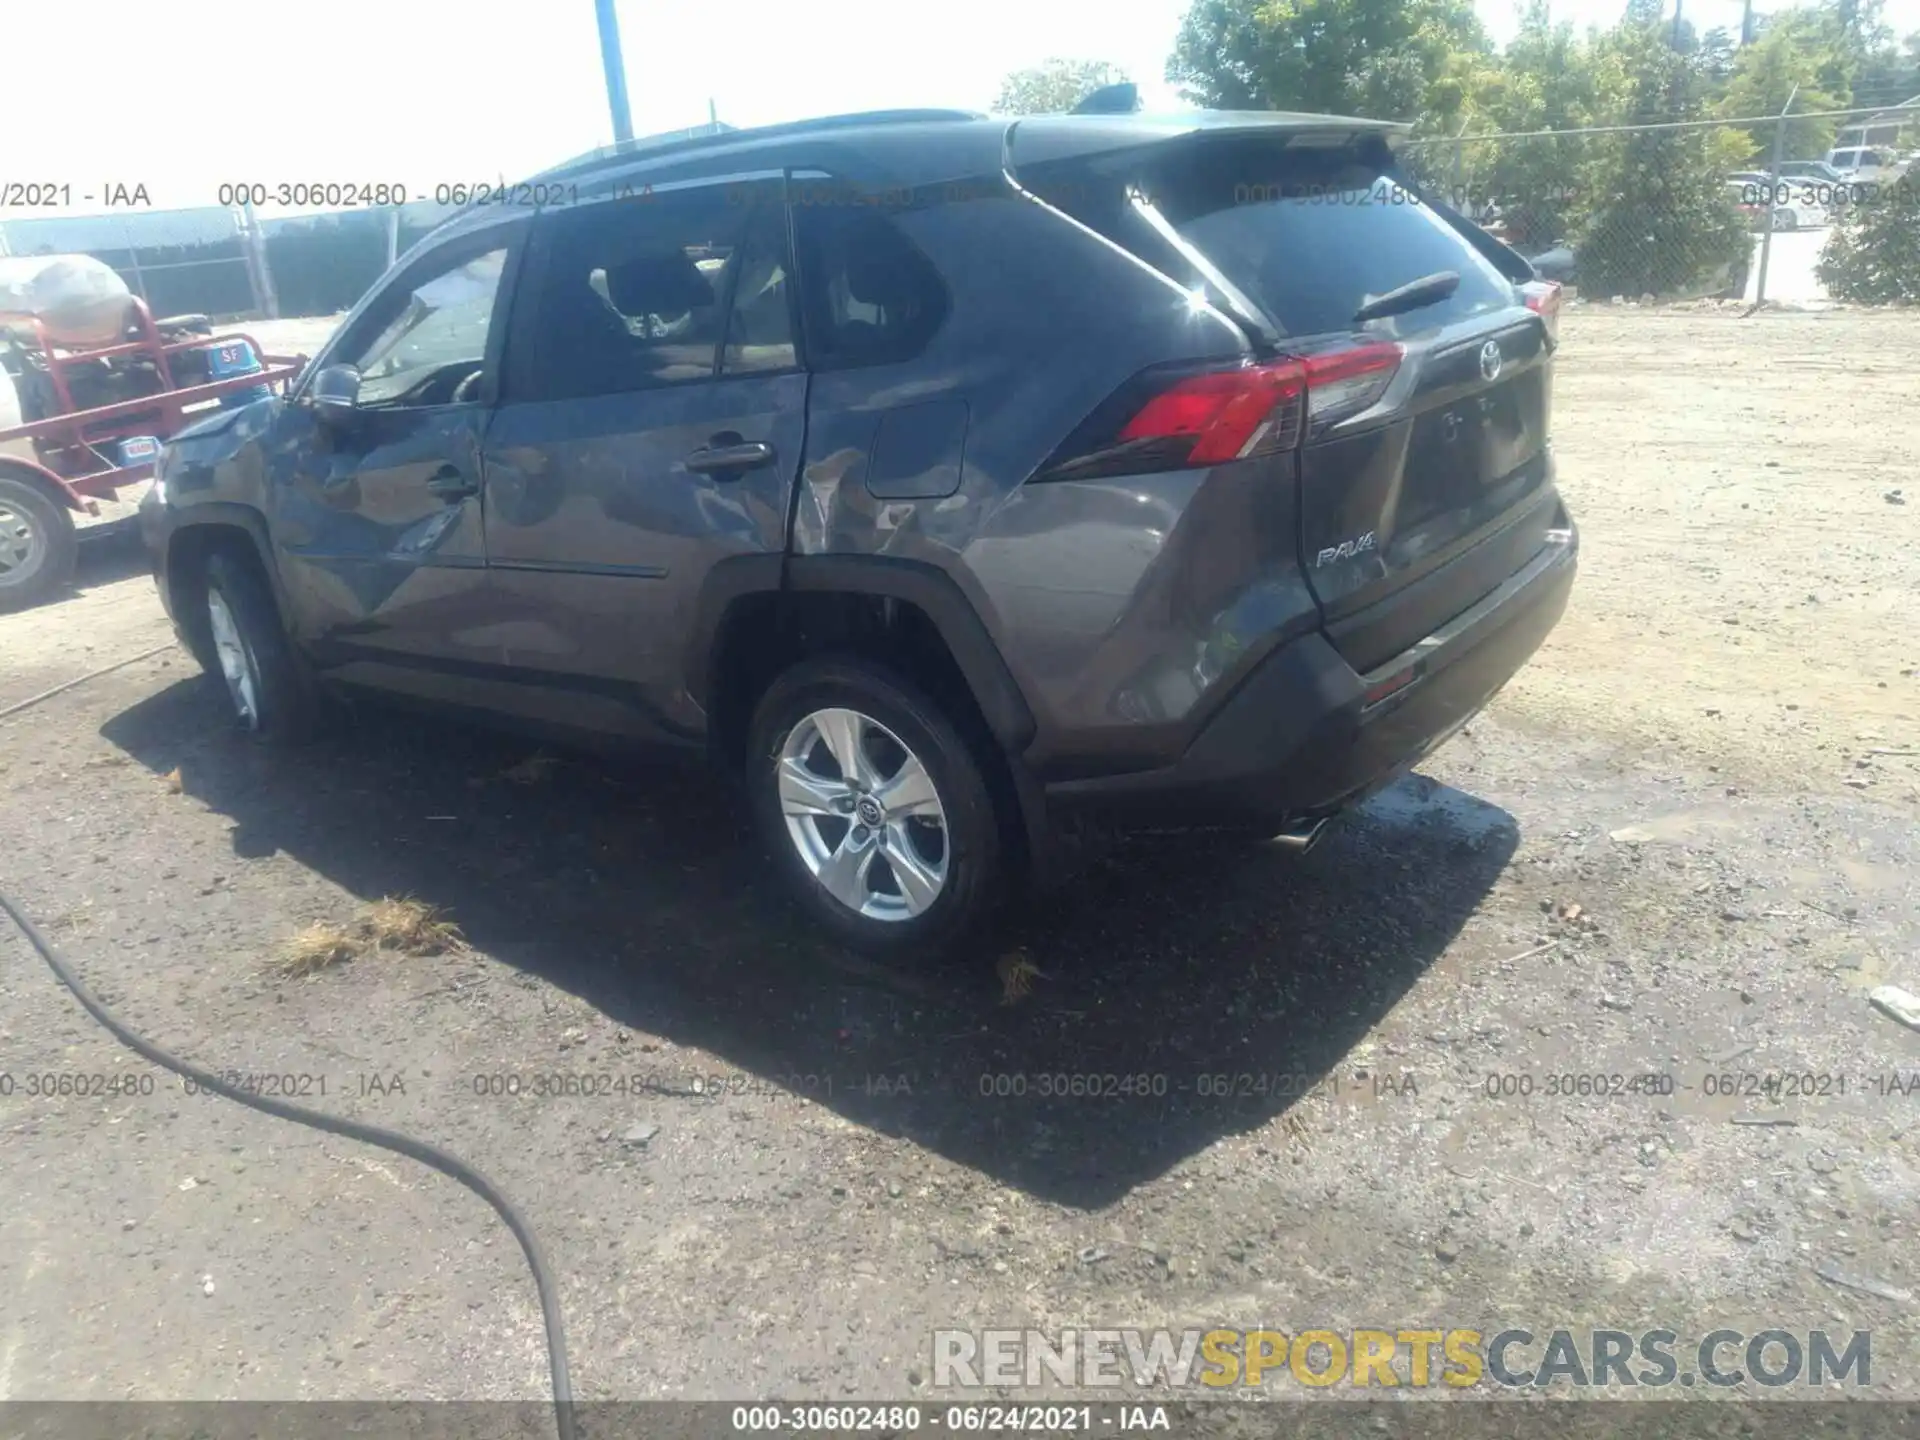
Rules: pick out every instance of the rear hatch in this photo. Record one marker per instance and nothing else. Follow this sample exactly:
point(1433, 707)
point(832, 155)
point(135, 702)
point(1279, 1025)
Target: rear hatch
point(1421, 437)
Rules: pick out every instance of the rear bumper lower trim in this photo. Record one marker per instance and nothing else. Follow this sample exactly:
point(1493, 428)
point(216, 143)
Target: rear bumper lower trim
point(1299, 739)
point(1462, 632)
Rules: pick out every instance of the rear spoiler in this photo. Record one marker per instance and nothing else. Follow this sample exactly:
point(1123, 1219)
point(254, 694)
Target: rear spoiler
point(1039, 139)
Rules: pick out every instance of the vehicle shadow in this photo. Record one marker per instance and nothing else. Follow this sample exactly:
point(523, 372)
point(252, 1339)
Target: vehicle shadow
point(109, 553)
point(1196, 989)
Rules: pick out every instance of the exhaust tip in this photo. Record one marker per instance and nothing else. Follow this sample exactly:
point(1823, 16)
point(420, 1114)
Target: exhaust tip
point(1302, 835)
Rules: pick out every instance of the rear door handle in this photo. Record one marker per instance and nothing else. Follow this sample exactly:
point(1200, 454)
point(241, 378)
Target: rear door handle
point(720, 459)
point(451, 484)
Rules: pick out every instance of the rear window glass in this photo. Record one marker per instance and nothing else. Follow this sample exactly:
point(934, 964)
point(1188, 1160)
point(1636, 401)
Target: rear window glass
point(1308, 235)
point(870, 296)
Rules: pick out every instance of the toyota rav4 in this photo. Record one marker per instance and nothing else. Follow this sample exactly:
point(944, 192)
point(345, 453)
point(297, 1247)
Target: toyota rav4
point(959, 482)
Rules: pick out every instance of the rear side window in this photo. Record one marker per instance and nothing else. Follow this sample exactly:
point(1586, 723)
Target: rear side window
point(1308, 234)
point(870, 296)
point(674, 289)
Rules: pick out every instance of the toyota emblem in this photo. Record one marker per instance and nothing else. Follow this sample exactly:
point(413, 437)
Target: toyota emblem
point(1490, 360)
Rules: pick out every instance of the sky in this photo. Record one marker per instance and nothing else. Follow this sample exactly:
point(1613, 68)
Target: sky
point(418, 93)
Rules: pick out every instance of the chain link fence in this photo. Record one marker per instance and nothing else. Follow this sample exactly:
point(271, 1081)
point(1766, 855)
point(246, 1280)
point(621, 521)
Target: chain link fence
point(178, 261)
point(228, 263)
point(1737, 209)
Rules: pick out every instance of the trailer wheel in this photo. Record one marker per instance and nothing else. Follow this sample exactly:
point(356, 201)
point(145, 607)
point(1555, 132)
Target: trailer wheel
point(38, 546)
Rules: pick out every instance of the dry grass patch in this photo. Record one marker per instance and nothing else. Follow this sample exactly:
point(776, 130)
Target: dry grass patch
point(395, 924)
point(320, 946)
point(412, 927)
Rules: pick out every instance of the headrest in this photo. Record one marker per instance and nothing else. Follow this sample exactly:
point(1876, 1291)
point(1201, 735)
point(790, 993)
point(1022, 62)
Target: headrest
point(877, 268)
point(662, 284)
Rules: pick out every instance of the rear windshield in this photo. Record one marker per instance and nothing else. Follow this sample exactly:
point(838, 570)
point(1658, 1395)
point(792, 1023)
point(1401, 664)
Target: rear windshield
point(1308, 235)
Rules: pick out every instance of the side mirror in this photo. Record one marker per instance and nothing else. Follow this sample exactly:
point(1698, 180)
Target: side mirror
point(336, 391)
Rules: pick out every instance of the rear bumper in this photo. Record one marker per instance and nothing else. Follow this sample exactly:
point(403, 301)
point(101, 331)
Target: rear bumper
point(1306, 735)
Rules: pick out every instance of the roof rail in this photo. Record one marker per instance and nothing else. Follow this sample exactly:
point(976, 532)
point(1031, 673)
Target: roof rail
point(679, 140)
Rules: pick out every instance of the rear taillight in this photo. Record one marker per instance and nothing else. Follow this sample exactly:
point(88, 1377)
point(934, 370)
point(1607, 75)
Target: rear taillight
point(1544, 298)
point(1345, 382)
point(1179, 419)
point(1224, 415)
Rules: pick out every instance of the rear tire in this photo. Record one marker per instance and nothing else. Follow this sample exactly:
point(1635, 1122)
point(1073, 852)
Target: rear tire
point(266, 685)
point(901, 858)
point(38, 546)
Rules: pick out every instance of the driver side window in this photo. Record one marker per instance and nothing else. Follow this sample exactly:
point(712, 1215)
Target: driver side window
point(430, 342)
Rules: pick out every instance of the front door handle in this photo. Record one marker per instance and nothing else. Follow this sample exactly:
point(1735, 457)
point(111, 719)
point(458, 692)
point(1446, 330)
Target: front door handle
point(451, 484)
point(724, 459)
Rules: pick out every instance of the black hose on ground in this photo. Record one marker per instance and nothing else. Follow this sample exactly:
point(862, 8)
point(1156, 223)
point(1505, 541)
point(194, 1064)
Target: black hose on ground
point(448, 1165)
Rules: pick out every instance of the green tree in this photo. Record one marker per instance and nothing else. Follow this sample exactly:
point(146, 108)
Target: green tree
point(1385, 59)
point(1798, 48)
point(1546, 80)
point(1715, 56)
point(1889, 74)
point(1664, 222)
point(1873, 255)
point(1054, 87)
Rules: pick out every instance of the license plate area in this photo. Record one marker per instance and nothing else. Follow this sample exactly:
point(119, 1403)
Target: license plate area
point(1465, 448)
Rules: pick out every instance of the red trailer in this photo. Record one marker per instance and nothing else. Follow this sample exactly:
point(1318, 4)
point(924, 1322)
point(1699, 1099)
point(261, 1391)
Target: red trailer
point(171, 372)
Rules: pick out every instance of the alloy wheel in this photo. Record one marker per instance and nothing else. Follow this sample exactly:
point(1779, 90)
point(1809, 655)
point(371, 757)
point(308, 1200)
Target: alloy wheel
point(21, 541)
point(237, 664)
point(864, 814)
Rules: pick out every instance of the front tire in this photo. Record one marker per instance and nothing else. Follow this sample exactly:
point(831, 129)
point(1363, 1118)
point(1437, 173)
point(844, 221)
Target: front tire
point(38, 546)
point(266, 686)
point(877, 809)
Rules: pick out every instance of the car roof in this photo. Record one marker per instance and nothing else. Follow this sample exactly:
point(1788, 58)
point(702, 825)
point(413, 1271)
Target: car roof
point(898, 148)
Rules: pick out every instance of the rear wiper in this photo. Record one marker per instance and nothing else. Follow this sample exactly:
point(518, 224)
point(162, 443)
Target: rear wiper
point(1427, 290)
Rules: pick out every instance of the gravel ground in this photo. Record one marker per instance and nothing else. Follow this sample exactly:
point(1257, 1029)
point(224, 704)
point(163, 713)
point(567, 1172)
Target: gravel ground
point(1712, 759)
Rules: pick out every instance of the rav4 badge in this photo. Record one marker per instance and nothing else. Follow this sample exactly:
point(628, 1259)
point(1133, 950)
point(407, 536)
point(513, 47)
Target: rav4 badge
point(1345, 550)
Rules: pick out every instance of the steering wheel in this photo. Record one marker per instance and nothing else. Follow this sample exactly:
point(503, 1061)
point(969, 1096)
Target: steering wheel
point(467, 389)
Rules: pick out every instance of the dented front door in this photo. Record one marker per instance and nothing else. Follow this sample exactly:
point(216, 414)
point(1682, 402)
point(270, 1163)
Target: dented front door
point(383, 542)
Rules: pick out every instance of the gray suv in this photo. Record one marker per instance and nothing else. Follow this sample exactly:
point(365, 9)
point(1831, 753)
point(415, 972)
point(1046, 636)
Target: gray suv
point(960, 483)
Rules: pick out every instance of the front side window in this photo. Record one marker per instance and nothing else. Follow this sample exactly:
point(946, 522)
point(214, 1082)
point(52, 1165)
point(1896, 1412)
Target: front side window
point(673, 288)
point(430, 339)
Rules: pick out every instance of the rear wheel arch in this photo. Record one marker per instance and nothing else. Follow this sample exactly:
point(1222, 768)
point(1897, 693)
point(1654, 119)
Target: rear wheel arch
point(906, 616)
point(932, 593)
point(755, 611)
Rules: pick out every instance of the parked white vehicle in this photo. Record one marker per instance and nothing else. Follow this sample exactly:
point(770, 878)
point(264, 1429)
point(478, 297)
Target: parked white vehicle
point(1791, 206)
point(1864, 163)
point(1797, 212)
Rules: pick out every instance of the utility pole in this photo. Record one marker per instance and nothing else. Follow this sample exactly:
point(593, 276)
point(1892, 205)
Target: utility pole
point(1773, 189)
point(616, 72)
point(1746, 24)
point(1676, 24)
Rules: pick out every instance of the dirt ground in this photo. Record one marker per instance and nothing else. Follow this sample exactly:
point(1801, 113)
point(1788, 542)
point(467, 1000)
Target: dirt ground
point(806, 1172)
